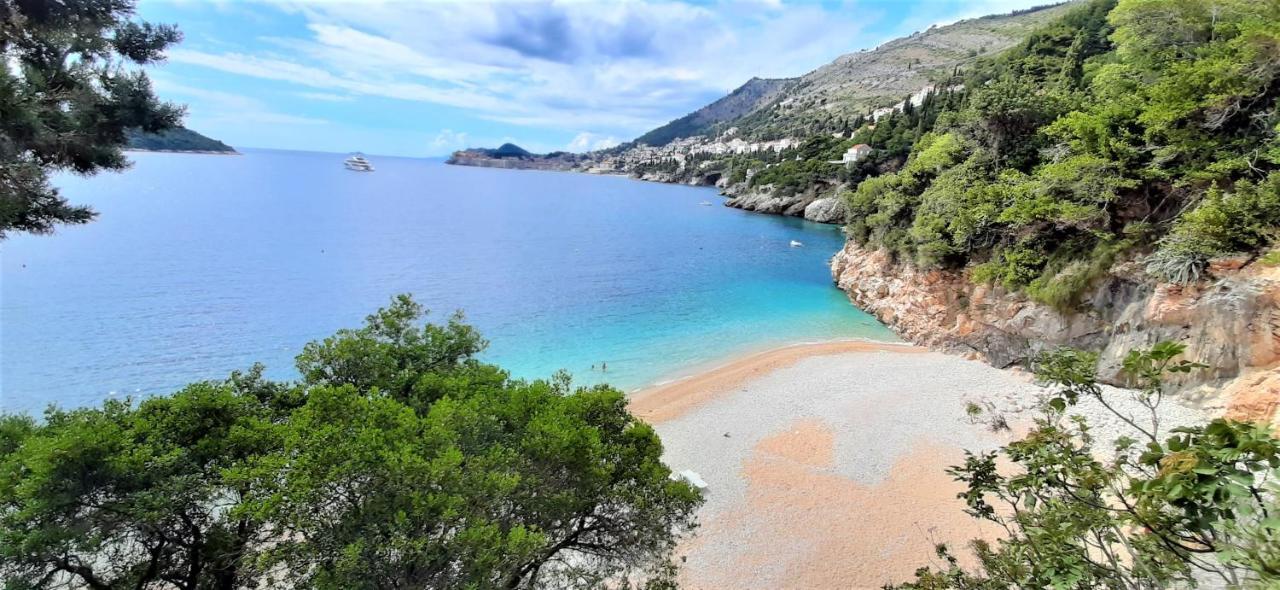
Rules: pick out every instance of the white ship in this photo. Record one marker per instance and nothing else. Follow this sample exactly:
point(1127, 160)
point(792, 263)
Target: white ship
point(358, 163)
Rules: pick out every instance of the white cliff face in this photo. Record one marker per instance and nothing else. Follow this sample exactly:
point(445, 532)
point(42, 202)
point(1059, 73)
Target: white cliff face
point(1231, 324)
point(819, 203)
point(826, 210)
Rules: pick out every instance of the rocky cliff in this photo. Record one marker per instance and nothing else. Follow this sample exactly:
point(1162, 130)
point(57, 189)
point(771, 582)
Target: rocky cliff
point(818, 203)
point(1230, 323)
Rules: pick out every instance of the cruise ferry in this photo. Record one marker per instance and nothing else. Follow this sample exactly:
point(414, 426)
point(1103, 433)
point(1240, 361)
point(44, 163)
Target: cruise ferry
point(358, 163)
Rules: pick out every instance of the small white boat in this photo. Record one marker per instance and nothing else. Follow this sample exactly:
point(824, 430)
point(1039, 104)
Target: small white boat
point(705, 203)
point(358, 163)
point(795, 244)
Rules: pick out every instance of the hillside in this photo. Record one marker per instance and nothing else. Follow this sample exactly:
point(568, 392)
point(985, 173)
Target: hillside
point(179, 139)
point(1112, 181)
point(855, 83)
point(755, 94)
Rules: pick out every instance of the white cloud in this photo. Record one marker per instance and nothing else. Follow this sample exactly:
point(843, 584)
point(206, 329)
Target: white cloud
point(614, 69)
point(449, 140)
point(212, 106)
point(587, 141)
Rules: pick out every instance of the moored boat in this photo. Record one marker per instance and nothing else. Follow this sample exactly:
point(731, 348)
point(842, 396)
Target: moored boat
point(358, 163)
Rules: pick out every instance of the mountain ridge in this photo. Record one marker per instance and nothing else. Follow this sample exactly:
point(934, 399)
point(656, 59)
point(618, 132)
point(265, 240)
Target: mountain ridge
point(858, 82)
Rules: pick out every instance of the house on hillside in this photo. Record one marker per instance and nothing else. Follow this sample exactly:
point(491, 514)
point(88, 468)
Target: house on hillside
point(854, 154)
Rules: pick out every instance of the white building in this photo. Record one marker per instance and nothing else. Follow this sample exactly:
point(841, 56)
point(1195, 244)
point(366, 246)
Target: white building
point(855, 154)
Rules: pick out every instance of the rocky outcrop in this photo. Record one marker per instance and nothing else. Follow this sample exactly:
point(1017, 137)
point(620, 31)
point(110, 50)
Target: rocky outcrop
point(826, 210)
point(1231, 323)
point(809, 204)
point(1254, 398)
point(764, 200)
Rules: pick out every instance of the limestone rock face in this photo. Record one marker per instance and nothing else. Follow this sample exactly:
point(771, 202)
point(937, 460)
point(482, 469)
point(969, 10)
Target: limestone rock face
point(827, 210)
point(763, 200)
point(1230, 323)
point(1255, 397)
point(810, 204)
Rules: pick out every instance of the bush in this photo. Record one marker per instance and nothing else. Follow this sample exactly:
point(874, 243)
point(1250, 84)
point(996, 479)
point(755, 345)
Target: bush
point(1243, 220)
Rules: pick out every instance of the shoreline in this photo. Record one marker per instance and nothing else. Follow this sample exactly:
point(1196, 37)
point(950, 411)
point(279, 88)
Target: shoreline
point(825, 463)
point(673, 396)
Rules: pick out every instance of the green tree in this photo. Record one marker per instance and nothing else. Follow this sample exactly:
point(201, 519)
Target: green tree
point(436, 470)
point(69, 92)
point(128, 496)
point(399, 460)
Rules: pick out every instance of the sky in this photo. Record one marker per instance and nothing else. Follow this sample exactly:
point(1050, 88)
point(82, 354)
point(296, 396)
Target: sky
point(423, 78)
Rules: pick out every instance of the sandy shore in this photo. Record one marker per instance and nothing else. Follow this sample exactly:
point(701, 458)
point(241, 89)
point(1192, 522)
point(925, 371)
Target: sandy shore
point(825, 463)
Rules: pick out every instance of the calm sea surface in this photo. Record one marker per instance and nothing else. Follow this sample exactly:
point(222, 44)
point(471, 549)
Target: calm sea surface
point(200, 265)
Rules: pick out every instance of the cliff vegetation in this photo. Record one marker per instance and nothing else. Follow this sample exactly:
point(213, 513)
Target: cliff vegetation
point(1144, 128)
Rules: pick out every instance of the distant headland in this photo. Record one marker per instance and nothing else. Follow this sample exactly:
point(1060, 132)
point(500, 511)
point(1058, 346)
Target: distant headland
point(178, 139)
point(510, 155)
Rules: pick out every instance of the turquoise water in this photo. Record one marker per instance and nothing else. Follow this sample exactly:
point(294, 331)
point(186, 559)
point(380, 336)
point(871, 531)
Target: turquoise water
point(200, 265)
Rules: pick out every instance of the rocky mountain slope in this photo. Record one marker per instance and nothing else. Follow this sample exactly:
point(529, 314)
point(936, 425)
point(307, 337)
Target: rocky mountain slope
point(746, 99)
point(857, 83)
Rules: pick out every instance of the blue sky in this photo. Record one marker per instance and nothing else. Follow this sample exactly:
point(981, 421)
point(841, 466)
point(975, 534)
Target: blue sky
point(427, 78)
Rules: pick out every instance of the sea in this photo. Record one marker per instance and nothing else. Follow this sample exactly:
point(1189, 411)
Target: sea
point(200, 265)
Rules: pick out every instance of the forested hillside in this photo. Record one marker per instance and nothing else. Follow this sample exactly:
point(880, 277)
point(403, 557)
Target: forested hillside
point(179, 139)
point(1148, 128)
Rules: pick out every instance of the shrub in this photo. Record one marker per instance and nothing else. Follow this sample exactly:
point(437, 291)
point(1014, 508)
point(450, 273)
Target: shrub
point(1244, 220)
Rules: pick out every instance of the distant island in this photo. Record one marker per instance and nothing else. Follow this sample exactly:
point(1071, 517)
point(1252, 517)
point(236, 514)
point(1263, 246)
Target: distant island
point(510, 155)
point(178, 139)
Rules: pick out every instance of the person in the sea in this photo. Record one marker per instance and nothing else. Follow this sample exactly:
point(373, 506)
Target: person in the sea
point(604, 366)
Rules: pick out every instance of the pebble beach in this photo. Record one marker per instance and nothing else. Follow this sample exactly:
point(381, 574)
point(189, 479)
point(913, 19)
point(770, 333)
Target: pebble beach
point(825, 463)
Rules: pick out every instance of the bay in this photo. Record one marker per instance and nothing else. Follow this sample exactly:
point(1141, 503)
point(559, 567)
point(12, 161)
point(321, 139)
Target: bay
point(199, 265)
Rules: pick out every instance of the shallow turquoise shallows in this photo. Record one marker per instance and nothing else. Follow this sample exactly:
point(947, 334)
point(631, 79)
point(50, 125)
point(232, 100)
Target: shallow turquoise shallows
point(199, 265)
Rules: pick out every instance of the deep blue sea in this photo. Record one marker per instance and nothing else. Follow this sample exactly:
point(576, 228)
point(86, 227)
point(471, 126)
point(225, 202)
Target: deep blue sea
point(199, 265)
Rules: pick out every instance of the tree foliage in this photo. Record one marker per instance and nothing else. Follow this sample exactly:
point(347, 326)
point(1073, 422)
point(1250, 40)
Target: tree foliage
point(70, 91)
point(398, 460)
point(1158, 509)
point(1137, 117)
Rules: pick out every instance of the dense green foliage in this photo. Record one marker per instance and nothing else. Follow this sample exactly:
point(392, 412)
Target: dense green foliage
point(1162, 509)
point(1089, 141)
point(179, 139)
point(70, 90)
point(803, 167)
point(398, 461)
